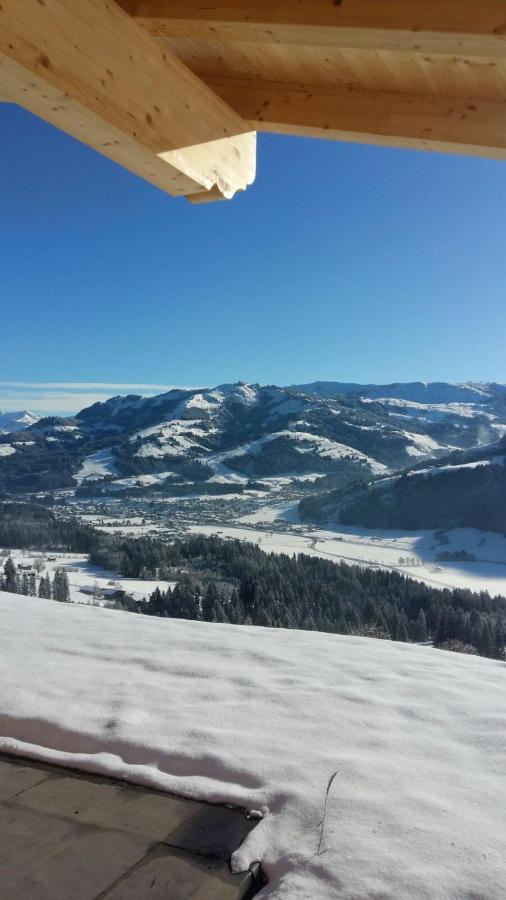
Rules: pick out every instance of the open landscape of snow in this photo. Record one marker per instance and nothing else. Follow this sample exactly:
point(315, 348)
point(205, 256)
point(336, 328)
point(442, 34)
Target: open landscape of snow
point(263, 718)
point(412, 552)
point(82, 574)
point(96, 465)
point(134, 525)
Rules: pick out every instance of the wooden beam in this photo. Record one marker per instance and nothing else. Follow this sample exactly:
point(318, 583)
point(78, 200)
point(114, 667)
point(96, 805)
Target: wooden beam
point(225, 166)
point(379, 117)
point(470, 27)
point(87, 68)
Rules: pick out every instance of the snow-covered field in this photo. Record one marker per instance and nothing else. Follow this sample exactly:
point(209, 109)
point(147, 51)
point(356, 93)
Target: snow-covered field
point(89, 576)
point(134, 525)
point(96, 466)
point(411, 552)
point(7, 449)
point(262, 718)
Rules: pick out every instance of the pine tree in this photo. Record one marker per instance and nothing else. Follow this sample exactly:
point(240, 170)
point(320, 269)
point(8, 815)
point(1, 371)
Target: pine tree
point(402, 631)
point(65, 588)
point(264, 619)
point(500, 640)
point(61, 590)
point(418, 628)
point(10, 576)
point(382, 626)
point(219, 614)
point(443, 632)
point(209, 603)
point(486, 640)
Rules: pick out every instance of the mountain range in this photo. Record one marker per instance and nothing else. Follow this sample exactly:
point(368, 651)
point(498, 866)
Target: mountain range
point(338, 433)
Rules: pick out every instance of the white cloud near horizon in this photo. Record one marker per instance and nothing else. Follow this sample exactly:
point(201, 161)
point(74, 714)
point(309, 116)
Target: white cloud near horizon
point(66, 398)
point(85, 385)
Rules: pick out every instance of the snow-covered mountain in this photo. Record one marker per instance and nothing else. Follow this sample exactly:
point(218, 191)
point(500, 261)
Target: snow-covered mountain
point(17, 421)
point(240, 432)
point(414, 391)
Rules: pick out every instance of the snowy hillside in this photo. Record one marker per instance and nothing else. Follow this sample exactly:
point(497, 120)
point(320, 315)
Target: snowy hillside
point(465, 489)
point(263, 718)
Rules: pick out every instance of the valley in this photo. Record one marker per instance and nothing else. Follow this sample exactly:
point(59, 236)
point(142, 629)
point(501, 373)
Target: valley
point(376, 475)
point(276, 528)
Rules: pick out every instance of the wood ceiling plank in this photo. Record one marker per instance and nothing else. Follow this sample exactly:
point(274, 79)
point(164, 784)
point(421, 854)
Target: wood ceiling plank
point(473, 27)
point(417, 73)
point(454, 124)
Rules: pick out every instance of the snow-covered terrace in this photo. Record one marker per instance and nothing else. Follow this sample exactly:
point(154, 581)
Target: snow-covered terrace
point(262, 718)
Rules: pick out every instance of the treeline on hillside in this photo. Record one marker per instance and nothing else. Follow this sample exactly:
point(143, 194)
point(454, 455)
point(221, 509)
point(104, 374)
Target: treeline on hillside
point(34, 583)
point(473, 498)
point(464, 498)
point(231, 581)
point(31, 526)
point(128, 463)
point(37, 466)
point(282, 455)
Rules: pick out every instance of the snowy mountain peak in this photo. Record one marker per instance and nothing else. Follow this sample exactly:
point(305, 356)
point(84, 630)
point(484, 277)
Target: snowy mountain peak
point(240, 390)
point(17, 420)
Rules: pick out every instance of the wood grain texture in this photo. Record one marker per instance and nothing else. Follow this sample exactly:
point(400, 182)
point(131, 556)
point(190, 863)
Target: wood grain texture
point(382, 117)
point(90, 69)
point(475, 27)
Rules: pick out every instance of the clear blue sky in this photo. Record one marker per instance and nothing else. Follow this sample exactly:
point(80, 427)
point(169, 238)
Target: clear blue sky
point(341, 262)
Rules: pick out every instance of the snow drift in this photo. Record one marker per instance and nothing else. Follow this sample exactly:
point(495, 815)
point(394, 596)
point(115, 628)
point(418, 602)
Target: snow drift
point(262, 718)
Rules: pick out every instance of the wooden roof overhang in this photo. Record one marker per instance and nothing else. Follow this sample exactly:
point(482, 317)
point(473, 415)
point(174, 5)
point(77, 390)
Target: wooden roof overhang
point(175, 90)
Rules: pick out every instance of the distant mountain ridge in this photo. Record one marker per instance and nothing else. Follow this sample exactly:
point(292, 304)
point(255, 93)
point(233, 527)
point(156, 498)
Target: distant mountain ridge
point(235, 433)
point(415, 391)
point(17, 421)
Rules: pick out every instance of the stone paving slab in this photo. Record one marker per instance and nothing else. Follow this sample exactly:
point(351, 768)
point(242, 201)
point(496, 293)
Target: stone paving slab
point(16, 779)
point(65, 835)
point(166, 873)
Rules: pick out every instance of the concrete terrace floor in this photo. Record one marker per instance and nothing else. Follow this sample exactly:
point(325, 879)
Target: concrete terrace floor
point(66, 835)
